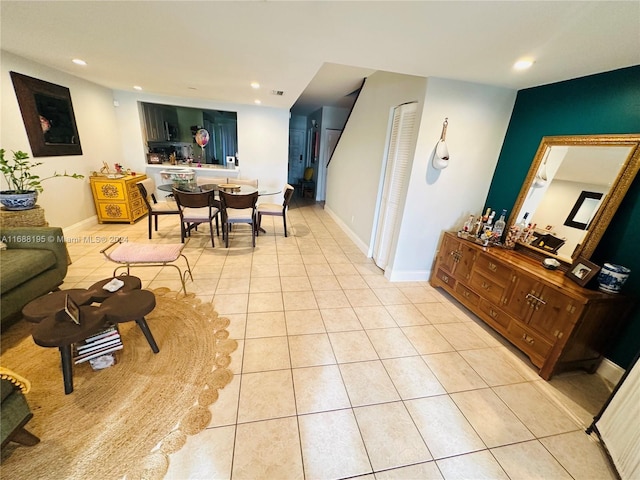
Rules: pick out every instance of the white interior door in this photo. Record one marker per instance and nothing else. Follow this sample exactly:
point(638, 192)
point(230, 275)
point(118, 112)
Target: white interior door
point(396, 175)
point(618, 425)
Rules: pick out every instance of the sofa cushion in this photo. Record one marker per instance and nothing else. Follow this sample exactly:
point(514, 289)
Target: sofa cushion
point(6, 388)
point(21, 265)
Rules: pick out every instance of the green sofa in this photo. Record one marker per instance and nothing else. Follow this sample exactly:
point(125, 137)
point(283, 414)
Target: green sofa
point(33, 264)
point(14, 410)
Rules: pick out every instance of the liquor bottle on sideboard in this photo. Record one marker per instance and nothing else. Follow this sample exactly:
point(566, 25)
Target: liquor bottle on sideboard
point(489, 225)
point(477, 226)
point(522, 226)
point(498, 228)
point(468, 225)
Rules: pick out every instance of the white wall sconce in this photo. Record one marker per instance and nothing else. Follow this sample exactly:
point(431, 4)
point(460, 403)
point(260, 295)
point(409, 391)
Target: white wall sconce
point(541, 178)
point(441, 158)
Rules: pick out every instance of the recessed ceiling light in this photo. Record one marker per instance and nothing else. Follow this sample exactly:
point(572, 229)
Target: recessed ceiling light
point(523, 64)
point(255, 85)
point(137, 87)
point(79, 61)
point(257, 102)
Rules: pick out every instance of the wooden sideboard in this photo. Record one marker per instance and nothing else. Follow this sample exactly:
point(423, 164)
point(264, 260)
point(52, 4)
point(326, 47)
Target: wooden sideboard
point(555, 322)
point(118, 199)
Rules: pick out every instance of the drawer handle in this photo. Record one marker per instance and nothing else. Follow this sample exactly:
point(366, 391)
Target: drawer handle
point(493, 267)
point(528, 339)
point(466, 294)
point(493, 313)
point(486, 285)
point(445, 278)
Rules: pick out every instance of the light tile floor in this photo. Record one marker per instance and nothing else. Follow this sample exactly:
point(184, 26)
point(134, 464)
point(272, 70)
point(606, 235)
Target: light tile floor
point(340, 373)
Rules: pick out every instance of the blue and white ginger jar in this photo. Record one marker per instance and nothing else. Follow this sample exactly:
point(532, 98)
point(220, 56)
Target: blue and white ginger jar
point(612, 277)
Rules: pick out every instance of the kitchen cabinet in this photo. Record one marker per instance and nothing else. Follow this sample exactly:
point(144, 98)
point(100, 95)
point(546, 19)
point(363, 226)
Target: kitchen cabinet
point(160, 122)
point(555, 322)
point(118, 199)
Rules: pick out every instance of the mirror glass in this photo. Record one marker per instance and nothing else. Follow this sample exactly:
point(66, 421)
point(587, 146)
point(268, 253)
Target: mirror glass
point(573, 188)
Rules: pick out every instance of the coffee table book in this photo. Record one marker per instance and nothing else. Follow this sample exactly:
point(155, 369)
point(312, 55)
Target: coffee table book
point(102, 343)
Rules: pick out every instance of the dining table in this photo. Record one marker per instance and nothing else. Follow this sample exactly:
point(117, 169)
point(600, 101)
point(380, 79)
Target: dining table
point(208, 187)
point(215, 187)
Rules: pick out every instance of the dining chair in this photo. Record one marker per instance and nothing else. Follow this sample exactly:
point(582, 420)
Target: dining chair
point(196, 208)
point(212, 181)
point(276, 209)
point(244, 181)
point(147, 189)
point(238, 208)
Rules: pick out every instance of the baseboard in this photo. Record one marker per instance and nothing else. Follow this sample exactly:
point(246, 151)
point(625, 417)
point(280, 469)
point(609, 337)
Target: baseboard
point(409, 276)
point(352, 236)
point(610, 371)
point(82, 225)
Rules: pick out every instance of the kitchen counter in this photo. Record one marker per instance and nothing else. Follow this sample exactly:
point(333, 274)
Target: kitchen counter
point(194, 166)
point(203, 171)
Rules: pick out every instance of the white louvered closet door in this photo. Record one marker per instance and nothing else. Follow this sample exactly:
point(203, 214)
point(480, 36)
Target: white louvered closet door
point(619, 426)
point(396, 177)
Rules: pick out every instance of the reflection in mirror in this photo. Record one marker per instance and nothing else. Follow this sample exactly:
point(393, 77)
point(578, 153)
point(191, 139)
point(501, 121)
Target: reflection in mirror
point(584, 210)
point(170, 129)
point(573, 188)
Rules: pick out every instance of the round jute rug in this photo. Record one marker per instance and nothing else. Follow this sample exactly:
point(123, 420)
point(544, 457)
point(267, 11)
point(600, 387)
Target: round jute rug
point(125, 420)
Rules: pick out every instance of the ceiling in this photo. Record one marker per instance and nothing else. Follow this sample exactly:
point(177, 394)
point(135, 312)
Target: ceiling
point(317, 53)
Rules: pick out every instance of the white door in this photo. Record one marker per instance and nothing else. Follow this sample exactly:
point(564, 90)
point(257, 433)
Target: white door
point(296, 155)
point(396, 176)
point(331, 140)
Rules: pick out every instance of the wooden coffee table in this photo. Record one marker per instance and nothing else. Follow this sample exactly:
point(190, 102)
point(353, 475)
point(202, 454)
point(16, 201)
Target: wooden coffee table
point(53, 327)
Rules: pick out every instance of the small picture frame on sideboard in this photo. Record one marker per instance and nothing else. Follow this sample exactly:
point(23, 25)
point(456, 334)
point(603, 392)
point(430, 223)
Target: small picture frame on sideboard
point(582, 271)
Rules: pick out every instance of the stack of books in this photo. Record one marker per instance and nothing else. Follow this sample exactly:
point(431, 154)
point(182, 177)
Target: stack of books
point(101, 344)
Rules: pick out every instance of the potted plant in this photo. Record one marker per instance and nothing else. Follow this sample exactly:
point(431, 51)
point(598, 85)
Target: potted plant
point(24, 186)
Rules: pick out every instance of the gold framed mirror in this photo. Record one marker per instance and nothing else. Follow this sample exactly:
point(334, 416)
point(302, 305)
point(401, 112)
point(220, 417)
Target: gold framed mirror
point(565, 171)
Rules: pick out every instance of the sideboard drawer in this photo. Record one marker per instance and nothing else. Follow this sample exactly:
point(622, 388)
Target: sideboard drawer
point(467, 294)
point(496, 315)
point(529, 342)
point(445, 277)
point(496, 271)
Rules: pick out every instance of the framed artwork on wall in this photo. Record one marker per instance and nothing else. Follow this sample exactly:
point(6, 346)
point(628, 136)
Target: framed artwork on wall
point(47, 113)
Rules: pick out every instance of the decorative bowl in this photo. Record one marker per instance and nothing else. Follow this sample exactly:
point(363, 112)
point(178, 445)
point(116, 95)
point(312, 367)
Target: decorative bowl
point(550, 263)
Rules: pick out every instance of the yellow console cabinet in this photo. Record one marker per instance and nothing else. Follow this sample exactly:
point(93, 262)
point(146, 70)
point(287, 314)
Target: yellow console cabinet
point(118, 199)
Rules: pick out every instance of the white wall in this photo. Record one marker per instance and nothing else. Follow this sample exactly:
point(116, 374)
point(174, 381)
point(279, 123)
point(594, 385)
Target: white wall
point(436, 200)
point(440, 200)
point(263, 135)
point(333, 118)
point(65, 201)
point(353, 177)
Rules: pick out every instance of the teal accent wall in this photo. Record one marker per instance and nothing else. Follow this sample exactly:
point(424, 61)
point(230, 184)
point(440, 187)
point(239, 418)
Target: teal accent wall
point(598, 104)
